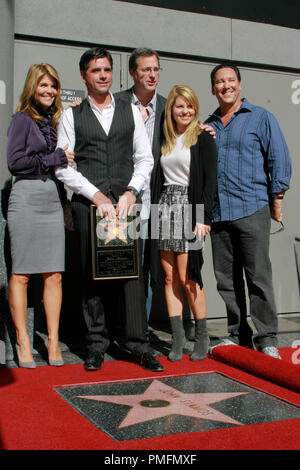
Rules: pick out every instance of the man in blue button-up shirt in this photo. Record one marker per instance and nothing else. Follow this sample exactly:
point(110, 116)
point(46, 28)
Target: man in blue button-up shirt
point(254, 170)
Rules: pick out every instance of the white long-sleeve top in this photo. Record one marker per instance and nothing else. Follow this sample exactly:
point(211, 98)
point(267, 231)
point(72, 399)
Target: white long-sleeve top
point(142, 153)
point(176, 164)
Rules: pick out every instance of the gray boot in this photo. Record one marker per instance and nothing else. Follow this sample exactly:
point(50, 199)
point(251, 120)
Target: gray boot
point(201, 340)
point(178, 339)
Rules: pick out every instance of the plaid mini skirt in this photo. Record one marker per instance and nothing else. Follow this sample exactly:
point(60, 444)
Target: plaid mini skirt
point(174, 219)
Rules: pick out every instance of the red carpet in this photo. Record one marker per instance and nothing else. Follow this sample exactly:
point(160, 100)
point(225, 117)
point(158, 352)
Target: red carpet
point(33, 416)
point(285, 373)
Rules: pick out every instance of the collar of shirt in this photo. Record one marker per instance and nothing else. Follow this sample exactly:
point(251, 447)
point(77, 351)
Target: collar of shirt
point(151, 106)
point(112, 104)
point(105, 116)
point(245, 107)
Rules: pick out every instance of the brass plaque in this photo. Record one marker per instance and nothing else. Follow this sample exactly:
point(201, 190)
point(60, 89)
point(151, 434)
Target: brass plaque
point(115, 252)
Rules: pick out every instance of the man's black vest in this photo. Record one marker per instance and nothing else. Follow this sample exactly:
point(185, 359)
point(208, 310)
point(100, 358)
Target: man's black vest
point(105, 160)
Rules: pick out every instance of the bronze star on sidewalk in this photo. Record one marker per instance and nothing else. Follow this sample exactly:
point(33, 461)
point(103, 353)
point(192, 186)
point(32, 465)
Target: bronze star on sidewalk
point(161, 400)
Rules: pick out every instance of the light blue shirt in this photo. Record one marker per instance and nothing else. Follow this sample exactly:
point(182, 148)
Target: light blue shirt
point(253, 162)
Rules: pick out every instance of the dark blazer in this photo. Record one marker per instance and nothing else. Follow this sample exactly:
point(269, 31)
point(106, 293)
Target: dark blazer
point(158, 126)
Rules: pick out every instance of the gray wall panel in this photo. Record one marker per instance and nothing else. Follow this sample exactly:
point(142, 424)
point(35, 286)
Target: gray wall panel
point(6, 79)
point(6, 108)
point(64, 58)
point(122, 24)
point(265, 44)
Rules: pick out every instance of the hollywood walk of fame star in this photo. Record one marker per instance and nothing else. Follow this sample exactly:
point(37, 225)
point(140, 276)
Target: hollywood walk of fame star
point(112, 230)
point(160, 400)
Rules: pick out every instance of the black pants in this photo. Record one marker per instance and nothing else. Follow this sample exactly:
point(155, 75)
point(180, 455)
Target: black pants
point(242, 247)
point(109, 305)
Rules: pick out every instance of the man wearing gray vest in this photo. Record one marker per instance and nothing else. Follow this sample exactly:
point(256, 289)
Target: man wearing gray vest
point(144, 69)
point(114, 163)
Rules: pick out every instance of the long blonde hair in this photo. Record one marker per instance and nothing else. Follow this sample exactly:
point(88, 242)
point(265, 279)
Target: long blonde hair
point(34, 75)
point(170, 130)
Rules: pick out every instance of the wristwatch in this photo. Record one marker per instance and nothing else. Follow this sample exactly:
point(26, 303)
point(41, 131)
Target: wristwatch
point(133, 191)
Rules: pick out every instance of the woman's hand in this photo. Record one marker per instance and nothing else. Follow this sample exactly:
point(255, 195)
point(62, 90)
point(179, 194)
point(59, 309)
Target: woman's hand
point(201, 230)
point(69, 155)
point(74, 103)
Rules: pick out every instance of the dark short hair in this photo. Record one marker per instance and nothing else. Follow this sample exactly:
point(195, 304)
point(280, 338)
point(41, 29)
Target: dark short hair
point(93, 53)
point(140, 52)
point(224, 66)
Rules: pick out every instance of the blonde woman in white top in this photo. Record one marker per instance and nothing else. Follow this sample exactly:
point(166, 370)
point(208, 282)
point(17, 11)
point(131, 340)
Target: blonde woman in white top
point(185, 179)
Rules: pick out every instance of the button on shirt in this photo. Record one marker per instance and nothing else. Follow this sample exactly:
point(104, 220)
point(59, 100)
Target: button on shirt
point(253, 162)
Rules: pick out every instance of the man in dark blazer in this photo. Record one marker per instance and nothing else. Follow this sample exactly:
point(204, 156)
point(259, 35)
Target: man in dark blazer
point(144, 69)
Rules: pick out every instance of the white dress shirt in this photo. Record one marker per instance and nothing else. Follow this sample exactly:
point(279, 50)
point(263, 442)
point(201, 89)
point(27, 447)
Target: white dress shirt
point(149, 123)
point(142, 153)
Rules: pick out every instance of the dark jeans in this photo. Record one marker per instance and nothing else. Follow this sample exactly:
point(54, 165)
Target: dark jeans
point(242, 247)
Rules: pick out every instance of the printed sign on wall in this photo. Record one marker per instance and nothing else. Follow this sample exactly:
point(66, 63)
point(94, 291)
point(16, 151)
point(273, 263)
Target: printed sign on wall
point(69, 95)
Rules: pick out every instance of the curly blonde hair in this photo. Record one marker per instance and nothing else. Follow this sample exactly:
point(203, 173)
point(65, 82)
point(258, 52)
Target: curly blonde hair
point(34, 76)
point(170, 130)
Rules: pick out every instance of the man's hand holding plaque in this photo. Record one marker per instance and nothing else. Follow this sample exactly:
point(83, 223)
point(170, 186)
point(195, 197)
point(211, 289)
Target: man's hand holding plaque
point(115, 237)
point(126, 202)
point(104, 205)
